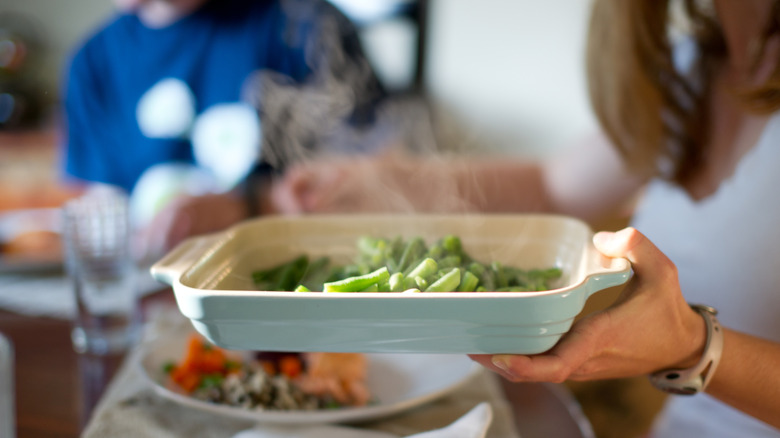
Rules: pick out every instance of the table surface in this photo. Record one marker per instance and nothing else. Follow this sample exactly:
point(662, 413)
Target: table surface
point(57, 389)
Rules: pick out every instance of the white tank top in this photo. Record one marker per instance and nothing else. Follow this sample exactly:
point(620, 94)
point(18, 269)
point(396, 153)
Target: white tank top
point(727, 251)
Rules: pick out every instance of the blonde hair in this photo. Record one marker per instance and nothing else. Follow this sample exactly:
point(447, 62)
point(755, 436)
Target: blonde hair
point(656, 116)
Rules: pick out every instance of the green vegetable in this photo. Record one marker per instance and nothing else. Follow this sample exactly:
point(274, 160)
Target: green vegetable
point(395, 265)
point(425, 269)
point(396, 282)
point(468, 283)
point(448, 283)
point(211, 381)
point(414, 251)
point(293, 273)
point(359, 283)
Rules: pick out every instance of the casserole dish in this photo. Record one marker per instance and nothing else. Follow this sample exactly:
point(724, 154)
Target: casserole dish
point(212, 282)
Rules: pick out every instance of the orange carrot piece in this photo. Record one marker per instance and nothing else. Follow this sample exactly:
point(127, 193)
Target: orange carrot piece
point(290, 366)
point(186, 378)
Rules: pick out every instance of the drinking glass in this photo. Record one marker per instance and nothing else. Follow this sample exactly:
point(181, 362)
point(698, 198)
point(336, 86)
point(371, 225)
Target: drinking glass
point(96, 231)
point(6, 388)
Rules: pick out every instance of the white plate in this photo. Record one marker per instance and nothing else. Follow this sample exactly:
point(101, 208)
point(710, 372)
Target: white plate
point(16, 222)
point(398, 381)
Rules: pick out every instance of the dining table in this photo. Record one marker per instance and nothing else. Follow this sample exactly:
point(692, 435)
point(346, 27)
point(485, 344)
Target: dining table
point(59, 393)
point(56, 390)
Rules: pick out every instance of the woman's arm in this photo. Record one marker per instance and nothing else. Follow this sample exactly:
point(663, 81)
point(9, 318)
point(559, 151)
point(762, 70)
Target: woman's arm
point(649, 328)
point(586, 181)
point(748, 376)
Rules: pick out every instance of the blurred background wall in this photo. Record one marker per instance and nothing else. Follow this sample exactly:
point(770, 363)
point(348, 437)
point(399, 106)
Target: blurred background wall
point(510, 72)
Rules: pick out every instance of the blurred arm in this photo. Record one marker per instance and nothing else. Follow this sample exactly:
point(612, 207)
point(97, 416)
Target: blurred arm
point(586, 181)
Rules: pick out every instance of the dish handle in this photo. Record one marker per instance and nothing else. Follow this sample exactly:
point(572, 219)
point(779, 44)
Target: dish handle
point(170, 268)
point(606, 271)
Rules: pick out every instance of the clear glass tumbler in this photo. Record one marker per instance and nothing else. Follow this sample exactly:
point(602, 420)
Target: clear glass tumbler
point(97, 231)
point(7, 412)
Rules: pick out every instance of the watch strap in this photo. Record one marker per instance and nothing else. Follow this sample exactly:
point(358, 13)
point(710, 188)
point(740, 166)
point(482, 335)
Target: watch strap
point(694, 380)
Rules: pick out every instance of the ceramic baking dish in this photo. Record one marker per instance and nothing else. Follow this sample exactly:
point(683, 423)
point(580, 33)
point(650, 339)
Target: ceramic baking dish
point(211, 279)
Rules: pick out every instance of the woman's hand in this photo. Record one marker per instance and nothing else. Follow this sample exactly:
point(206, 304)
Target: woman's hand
point(386, 183)
point(650, 326)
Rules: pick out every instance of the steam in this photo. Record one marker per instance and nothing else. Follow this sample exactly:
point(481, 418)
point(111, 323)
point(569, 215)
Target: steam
point(313, 121)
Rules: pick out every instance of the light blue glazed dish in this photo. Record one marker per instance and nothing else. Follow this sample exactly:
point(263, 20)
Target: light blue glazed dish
point(211, 279)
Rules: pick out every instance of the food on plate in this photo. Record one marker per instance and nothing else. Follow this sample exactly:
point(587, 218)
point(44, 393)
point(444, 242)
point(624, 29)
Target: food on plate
point(396, 265)
point(269, 381)
point(33, 245)
point(338, 375)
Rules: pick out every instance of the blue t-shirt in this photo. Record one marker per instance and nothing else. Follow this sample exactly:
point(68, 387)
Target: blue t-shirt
point(213, 51)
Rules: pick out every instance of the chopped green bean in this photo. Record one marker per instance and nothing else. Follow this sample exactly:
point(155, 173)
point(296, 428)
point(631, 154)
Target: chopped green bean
point(356, 284)
point(395, 265)
point(424, 269)
point(414, 250)
point(373, 288)
point(448, 283)
point(499, 275)
point(450, 261)
point(317, 273)
point(468, 283)
point(452, 244)
point(396, 282)
point(293, 273)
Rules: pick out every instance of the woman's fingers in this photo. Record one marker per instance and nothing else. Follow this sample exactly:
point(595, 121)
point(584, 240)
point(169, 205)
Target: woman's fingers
point(634, 246)
point(566, 360)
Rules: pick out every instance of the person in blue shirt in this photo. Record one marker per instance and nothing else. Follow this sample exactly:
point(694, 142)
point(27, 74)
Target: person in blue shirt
point(182, 81)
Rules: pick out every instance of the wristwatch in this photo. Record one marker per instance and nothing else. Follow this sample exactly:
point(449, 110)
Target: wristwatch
point(694, 380)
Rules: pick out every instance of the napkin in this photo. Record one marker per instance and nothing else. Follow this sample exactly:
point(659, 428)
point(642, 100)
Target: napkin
point(474, 424)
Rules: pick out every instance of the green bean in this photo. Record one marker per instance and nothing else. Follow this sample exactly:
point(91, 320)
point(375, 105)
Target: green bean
point(292, 274)
point(268, 275)
point(375, 252)
point(396, 252)
point(396, 282)
point(356, 284)
point(452, 244)
point(448, 283)
point(450, 261)
point(499, 275)
point(373, 288)
point(317, 273)
point(468, 283)
point(436, 251)
point(421, 282)
point(477, 269)
point(414, 250)
point(395, 265)
point(424, 269)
